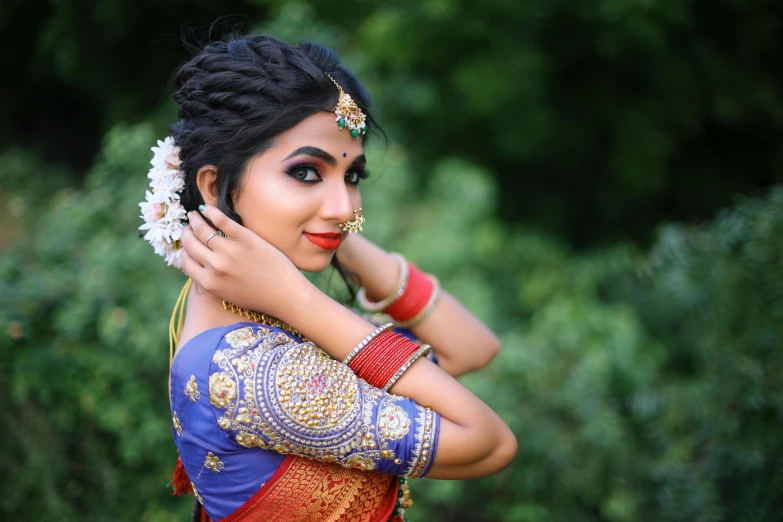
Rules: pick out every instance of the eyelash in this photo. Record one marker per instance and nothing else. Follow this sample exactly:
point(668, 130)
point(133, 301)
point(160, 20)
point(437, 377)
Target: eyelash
point(359, 173)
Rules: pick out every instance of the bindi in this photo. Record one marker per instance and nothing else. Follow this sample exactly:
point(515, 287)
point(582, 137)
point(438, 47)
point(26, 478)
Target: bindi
point(345, 154)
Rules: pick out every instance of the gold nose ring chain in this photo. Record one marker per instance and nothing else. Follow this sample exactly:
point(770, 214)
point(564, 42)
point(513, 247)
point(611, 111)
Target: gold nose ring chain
point(355, 225)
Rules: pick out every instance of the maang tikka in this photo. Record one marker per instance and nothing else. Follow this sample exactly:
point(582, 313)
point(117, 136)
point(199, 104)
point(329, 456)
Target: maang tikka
point(355, 225)
point(347, 113)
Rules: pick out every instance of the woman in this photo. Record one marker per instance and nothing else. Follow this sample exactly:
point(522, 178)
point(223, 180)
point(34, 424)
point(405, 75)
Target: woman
point(306, 411)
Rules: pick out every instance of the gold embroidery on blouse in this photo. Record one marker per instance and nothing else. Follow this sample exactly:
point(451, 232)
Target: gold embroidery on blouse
point(191, 389)
point(177, 425)
point(195, 492)
point(265, 341)
point(316, 391)
point(360, 462)
point(422, 449)
point(242, 338)
point(213, 463)
point(393, 421)
point(388, 454)
point(249, 440)
point(222, 390)
point(293, 398)
point(393, 424)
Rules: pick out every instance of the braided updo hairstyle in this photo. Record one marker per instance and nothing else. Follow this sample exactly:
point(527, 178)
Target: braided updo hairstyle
point(238, 95)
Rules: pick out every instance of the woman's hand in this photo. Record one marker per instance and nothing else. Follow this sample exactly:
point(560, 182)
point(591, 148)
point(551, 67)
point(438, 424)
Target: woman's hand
point(241, 268)
point(375, 269)
point(250, 272)
point(461, 341)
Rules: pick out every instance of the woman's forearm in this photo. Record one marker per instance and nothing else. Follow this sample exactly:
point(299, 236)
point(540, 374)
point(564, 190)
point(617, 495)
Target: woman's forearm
point(473, 441)
point(331, 326)
point(376, 271)
point(460, 340)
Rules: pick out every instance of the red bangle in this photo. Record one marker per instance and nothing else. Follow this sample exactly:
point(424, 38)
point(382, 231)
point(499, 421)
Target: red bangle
point(416, 296)
point(382, 358)
point(380, 343)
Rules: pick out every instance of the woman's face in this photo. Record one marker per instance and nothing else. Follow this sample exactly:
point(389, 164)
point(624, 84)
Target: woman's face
point(306, 184)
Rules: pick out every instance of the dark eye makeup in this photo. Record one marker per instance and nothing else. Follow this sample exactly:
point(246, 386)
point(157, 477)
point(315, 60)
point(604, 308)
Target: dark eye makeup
point(355, 174)
point(304, 173)
point(308, 173)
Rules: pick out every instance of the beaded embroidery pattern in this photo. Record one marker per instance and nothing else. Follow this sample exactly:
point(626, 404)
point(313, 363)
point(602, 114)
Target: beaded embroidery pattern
point(422, 450)
point(195, 492)
point(277, 393)
point(191, 389)
point(177, 425)
point(393, 424)
point(213, 463)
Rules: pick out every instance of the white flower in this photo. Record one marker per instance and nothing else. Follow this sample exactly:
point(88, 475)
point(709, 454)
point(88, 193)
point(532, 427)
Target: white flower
point(162, 212)
point(164, 149)
point(151, 212)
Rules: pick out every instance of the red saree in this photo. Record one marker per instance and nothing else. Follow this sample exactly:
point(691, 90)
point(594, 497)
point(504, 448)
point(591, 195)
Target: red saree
point(303, 490)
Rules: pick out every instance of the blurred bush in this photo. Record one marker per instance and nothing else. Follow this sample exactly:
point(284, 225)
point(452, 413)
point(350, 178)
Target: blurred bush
point(84, 350)
point(640, 385)
point(597, 119)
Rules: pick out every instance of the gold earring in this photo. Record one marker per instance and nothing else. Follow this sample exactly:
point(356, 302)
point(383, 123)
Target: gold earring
point(355, 225)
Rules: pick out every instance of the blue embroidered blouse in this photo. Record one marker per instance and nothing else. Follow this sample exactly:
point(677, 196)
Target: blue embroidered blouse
point(246, 395)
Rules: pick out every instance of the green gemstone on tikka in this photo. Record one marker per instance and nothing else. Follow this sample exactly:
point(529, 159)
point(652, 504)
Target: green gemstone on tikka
point(341, 123)
point(355, 133)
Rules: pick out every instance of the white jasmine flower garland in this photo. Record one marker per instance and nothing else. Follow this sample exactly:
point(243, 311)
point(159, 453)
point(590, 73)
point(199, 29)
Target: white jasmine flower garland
point(162, 211)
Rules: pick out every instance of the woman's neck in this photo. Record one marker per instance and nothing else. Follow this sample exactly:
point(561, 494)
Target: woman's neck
point(204, 311)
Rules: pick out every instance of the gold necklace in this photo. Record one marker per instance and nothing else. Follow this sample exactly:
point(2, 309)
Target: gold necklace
point(262, 318)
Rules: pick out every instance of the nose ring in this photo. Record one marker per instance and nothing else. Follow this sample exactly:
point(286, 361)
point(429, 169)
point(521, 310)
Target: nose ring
point(355, 225)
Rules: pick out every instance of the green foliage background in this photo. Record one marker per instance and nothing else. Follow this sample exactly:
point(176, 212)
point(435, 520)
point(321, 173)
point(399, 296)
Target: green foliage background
point(642, 377)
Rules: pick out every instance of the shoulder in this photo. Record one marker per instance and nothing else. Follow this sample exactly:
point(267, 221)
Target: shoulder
point(202, 345)
point(276, 364)
point(268, 386)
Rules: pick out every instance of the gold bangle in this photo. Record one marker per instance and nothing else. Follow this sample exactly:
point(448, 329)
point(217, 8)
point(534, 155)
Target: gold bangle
point(399, 288)
point(423, 351)
point(427, 310)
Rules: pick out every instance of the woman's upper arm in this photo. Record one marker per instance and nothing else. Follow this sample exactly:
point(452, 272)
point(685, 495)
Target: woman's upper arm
point(272, 392)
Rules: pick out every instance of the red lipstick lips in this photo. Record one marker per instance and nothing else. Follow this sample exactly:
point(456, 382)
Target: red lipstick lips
point(326, 240)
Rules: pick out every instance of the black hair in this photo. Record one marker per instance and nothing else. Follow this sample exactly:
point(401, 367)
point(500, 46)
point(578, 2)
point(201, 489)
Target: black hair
point(238, 95)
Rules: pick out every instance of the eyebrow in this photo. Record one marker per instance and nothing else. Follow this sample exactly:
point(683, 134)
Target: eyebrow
point(321, 154)
point(315, 152)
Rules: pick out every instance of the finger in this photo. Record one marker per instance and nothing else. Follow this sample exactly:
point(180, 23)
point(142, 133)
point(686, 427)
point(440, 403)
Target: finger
point(231, 228)
point(191, 267)
point(201, 228)
point(195, 248)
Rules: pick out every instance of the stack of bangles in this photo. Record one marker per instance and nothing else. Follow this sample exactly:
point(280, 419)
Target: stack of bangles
point(414, 297)
point(383, 356)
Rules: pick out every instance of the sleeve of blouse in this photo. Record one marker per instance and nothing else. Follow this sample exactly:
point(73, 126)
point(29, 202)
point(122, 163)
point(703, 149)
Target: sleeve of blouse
point(271, 391)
